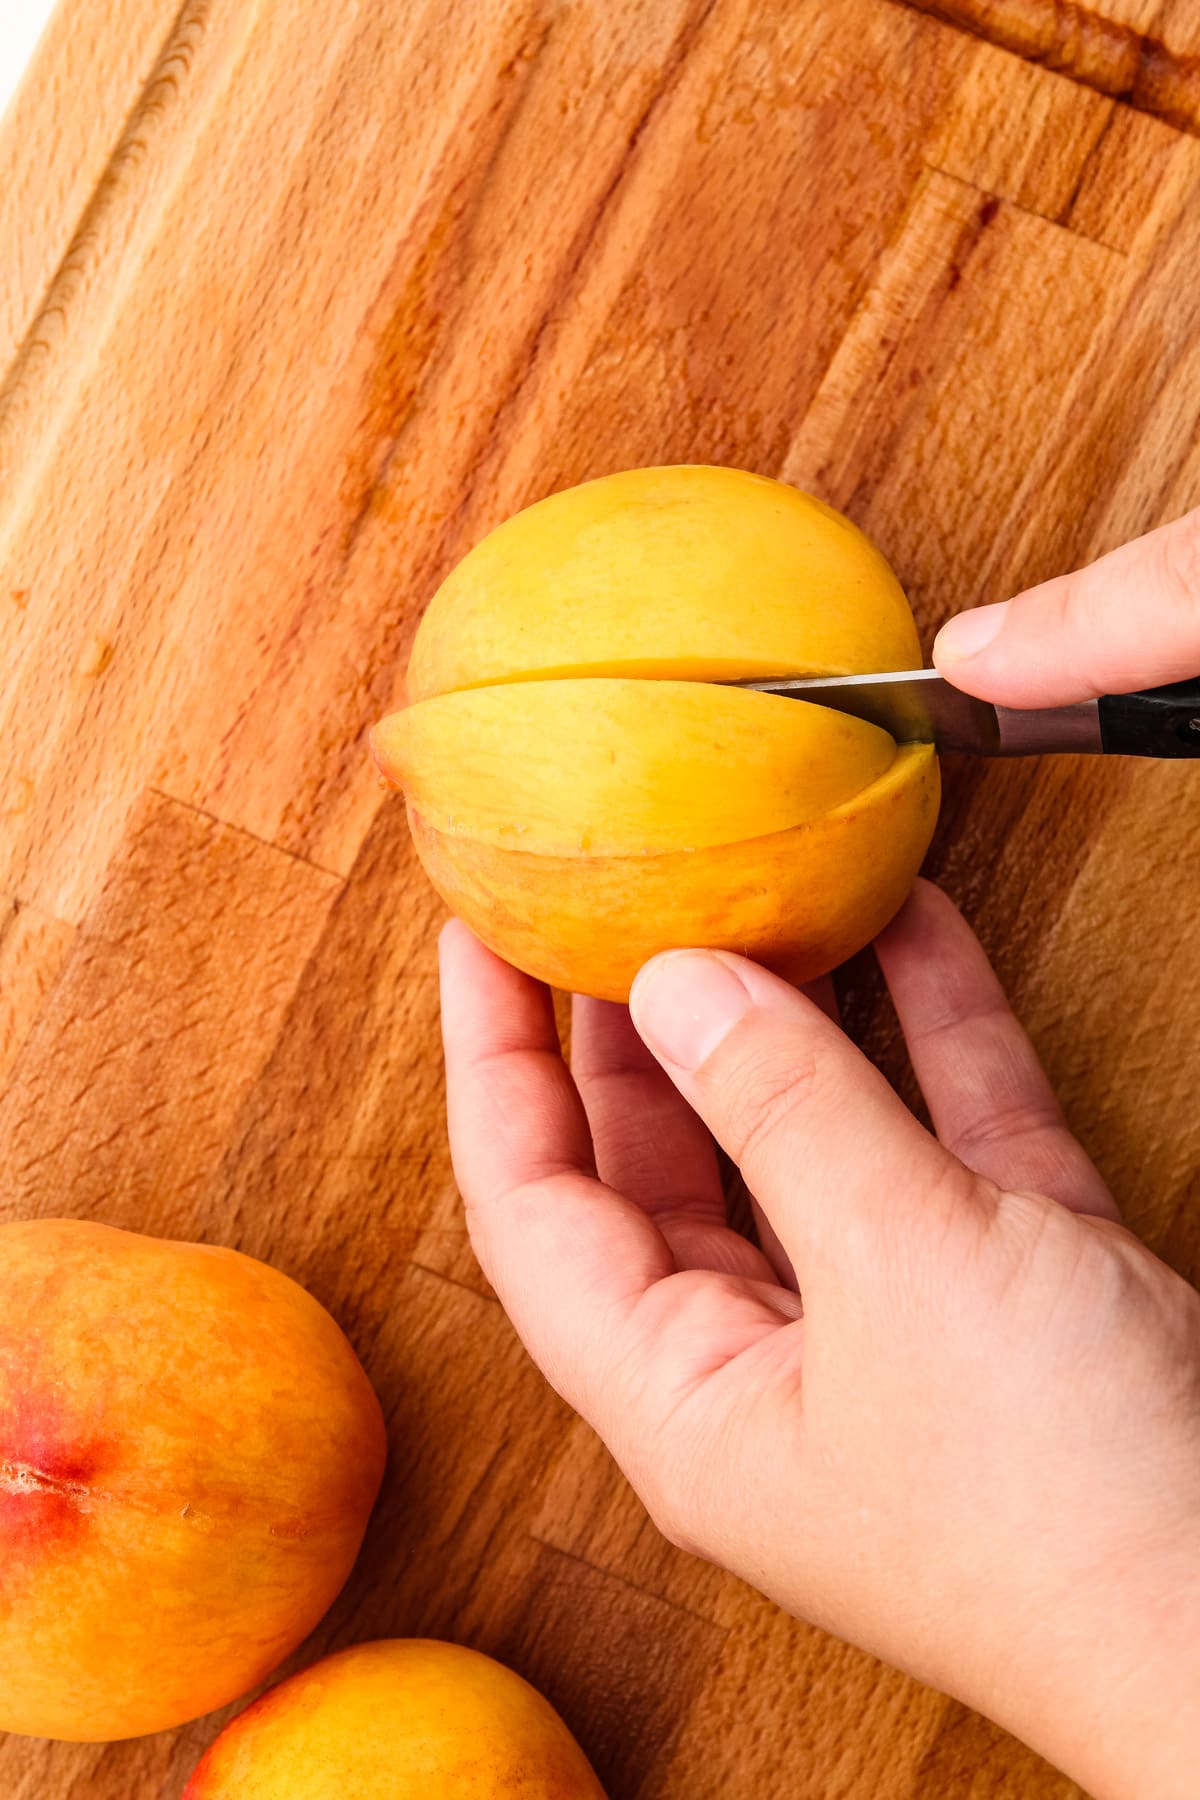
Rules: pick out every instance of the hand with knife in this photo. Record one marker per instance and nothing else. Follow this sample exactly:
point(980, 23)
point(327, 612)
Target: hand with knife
point(1086, 664)
point(965, 1433)
point(1127, 623)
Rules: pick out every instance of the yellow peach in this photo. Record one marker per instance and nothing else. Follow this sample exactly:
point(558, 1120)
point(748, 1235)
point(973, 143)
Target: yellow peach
point(691, 572)
point(189, 1451)
point(800, 901)
point(403, 1719)
point(583, 786)
point(488, 764)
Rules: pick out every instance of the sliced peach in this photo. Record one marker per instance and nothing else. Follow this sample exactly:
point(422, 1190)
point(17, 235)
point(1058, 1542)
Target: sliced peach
point(691, 572)
point(585, 789)
point(800, 900)
point(610, 768)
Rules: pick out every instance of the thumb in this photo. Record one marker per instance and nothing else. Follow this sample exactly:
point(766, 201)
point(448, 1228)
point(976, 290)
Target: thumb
point(1131, 620)
point(830, 1152)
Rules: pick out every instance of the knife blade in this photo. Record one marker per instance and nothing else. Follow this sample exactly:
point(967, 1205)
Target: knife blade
point(918, 706)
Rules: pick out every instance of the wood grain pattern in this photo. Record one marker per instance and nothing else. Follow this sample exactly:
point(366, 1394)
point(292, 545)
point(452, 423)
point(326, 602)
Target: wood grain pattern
point(55, 152)
point(161, 1018)
point(32, 949)
point(1145, 52)
point(308, 298)
point(1015, 134)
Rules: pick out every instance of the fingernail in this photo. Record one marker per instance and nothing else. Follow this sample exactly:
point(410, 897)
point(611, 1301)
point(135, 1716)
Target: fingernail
point(683, 1004)
point(968, 633)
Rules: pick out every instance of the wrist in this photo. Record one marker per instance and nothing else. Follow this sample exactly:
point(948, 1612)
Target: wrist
point(1112, 1696)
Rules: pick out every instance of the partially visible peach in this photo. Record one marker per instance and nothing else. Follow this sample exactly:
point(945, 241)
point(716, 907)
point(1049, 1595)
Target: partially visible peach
point(189, 1452)
point(402, 1719)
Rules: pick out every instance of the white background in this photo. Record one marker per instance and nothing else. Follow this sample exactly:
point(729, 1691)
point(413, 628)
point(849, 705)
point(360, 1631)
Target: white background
point(21, 23)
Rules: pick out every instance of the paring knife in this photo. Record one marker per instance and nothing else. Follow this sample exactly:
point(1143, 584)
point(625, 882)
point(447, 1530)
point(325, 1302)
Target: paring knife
point(918, 706)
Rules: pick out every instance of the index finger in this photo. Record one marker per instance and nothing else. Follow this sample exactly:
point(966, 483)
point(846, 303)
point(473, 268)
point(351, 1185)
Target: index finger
point(1129, 621)
point(523, 1160)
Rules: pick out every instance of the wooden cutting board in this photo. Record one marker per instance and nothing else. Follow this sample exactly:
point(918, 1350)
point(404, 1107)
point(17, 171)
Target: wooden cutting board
point(298, 301)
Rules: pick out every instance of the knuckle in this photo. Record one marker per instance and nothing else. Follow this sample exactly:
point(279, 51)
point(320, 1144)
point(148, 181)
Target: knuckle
point(958, 1204)
point(671, 1513)
point(1179, 562)
point(667, 1519)
point(767, 1098)
point(1015, 1123)
point(1067, 599)
point(1069, 614)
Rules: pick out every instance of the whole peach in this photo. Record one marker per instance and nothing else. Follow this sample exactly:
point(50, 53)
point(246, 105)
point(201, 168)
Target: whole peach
point(189, 1452)
point(402, 1719)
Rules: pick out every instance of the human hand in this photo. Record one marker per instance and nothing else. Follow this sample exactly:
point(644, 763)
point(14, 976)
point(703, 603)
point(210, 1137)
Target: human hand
point(1129, 621)
point(974, 1448)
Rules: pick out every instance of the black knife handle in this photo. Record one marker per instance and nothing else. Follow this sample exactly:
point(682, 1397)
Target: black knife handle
point(1162, 721)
